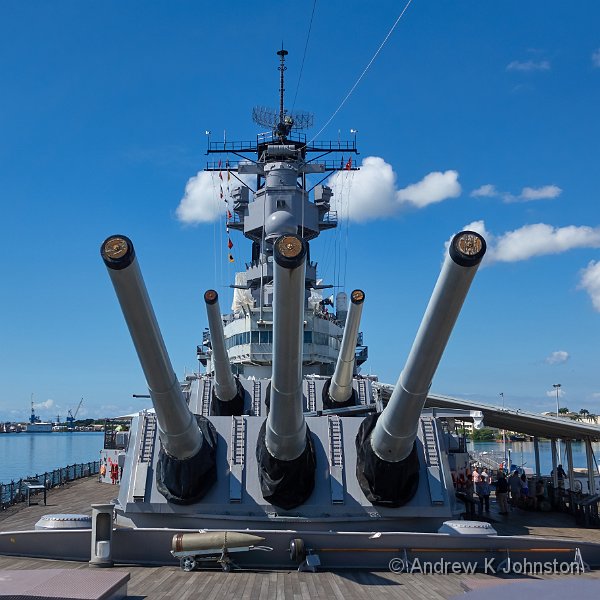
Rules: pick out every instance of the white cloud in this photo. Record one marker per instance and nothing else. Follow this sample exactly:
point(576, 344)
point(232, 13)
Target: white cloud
point(485, 191)
point(371, 192)
point(527, 66)
point(596, 58)
point(479, 227)
point(366, 194)
point(201, 202)
point(590, 282)
point(541, 239)
point(433, 188)
point(552, 393)
point(558, 358)
point(541, 193)
point(537, 240)
point(46, 405)
point(527, 194)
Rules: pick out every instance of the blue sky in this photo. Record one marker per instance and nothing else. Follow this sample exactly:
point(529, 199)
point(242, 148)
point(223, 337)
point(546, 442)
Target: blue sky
point(474, 112)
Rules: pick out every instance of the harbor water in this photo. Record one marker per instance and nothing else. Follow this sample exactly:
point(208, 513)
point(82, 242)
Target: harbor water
point(522, 454)
point(26, 454)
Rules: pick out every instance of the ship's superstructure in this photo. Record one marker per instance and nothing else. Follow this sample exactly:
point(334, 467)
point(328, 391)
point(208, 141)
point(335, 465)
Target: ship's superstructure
point(282, 428)
point(280, 160)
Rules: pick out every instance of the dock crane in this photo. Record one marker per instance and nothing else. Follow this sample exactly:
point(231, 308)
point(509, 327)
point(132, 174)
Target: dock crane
point(72, 415)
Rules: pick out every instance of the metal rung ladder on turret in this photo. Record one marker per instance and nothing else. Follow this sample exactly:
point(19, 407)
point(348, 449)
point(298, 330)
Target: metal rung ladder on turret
point(312, 396)
point(256, 398)
point(145, 452)
point(336, 459)
point(362, 392)
point(434, 473)
point(206, 397)
point(148, 436)
point(237, 458)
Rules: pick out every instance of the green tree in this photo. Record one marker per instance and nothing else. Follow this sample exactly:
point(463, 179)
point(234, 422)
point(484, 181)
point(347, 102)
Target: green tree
point(485, 434)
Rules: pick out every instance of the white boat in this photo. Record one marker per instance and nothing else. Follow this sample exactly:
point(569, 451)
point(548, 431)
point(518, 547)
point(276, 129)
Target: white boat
point(39, 427)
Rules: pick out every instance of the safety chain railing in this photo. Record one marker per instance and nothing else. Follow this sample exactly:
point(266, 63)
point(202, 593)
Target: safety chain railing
point(16, 491)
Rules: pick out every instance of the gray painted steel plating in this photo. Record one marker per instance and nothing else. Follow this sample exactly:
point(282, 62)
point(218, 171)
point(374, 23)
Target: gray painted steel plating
point(177, 426)
point(396, 429)
point(286, 428)
point(224, 382)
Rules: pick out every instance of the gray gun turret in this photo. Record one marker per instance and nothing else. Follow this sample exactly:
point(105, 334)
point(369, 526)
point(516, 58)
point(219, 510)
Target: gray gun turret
point(285, 452)
point(186, 465)
point(228, 393)
point(338, 391)
point(387, 466)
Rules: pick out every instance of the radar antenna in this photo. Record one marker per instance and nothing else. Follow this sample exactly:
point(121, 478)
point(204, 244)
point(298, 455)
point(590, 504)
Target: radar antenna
point(281, 122)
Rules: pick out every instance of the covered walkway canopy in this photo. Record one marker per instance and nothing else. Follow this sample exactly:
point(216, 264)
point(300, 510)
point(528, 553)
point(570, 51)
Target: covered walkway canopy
point(520, 420)
point(511, 419)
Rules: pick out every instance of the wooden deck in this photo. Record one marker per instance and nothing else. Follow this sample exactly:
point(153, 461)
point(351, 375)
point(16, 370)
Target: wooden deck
point(170, 582)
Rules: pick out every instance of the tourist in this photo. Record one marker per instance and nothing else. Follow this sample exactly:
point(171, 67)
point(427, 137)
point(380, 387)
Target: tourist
point(514, 483)
point(540, 494)
point(524, 487)
point(476, 476)
point(469, 501)
point(483, 491)
point(502, 493)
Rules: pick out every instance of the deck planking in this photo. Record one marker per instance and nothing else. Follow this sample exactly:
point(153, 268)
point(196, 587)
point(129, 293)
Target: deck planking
point(170, 582)
point(163, 583)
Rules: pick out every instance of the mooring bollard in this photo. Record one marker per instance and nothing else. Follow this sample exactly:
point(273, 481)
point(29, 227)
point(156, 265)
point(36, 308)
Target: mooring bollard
point(102, 526)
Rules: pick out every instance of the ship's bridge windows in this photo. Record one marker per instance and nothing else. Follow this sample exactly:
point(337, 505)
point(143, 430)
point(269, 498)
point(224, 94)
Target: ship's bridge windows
point(238, 339)
point(281, 204)
point(322, 339)
point(265, 337)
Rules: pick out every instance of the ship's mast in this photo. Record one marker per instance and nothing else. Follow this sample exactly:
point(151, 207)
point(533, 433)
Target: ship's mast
point(281, 159)
point(282, 68)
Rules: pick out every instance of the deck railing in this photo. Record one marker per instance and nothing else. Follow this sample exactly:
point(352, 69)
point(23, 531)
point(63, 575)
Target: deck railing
point(16, 491)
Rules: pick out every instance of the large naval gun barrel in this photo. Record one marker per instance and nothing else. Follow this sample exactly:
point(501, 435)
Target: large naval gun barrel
point(285, 452)
point(228, 393)
point(388, 468)
point(187, 444)
point(338, 391)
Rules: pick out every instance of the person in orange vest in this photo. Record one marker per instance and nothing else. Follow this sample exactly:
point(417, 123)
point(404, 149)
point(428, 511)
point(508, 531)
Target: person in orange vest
point(114, 473)
point(102, 472)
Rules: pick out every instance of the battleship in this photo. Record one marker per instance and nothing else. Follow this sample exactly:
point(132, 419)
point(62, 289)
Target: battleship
point(281, 444)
